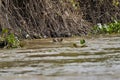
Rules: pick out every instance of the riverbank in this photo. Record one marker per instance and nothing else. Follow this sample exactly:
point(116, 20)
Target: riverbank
point(41, 19)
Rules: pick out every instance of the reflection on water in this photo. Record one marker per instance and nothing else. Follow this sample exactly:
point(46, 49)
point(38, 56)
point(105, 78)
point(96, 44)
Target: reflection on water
point(44, 60)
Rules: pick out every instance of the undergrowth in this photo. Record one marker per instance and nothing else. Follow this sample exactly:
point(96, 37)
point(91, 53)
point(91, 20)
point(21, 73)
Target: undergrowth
point(109, 28)
point(8, 40)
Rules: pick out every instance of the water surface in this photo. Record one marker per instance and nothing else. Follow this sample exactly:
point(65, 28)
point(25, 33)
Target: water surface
point(45, 60)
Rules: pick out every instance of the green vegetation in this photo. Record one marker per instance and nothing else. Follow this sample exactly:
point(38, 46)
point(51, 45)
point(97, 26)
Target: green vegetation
point(82, 44)
point(8, 40)
point(82, 41)
point(107, 28)
point(12, 41)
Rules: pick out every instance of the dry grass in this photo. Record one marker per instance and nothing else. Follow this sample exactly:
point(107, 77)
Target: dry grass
point(100, 11)
point(54, 18)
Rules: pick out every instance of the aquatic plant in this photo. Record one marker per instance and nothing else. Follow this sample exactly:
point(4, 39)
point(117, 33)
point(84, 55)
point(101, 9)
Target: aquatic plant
point(82, 43)
point(107, 28)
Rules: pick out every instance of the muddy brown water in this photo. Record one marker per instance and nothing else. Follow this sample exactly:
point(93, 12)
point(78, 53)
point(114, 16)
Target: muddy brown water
point(45, 60)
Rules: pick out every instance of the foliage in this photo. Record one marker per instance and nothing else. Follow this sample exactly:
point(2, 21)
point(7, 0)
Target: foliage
point(107, 28)
point(9, 39)
point(82, 41)
point(82, 44)
point(12, 41)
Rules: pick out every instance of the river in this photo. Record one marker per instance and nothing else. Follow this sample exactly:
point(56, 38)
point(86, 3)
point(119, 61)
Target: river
point(42, 59)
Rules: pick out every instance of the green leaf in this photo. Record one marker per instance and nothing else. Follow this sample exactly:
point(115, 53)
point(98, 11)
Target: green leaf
point(82, 41)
